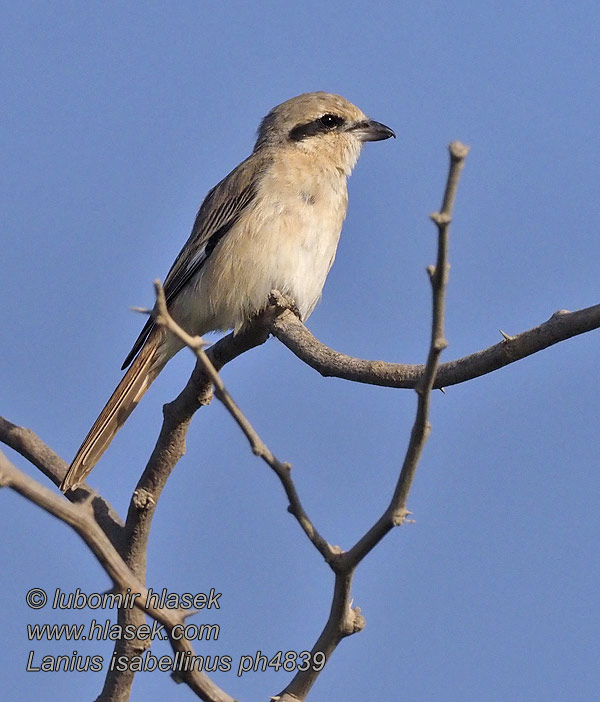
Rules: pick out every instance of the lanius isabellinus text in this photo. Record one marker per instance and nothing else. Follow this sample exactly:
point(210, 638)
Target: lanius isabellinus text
point(272, 224)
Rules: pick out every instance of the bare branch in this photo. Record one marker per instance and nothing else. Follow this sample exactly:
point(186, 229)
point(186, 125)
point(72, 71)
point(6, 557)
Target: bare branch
point(561, 326)
point(343, 620)
point(259, 448)
point(81, 519)
point(169, 448)
point(30, 446)
point(131, 539)
point(396, 512)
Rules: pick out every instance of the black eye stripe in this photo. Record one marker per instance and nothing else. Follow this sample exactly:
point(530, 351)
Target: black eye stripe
point(324, 123)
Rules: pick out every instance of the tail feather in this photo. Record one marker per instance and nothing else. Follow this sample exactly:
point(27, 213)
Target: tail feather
point(123, 401)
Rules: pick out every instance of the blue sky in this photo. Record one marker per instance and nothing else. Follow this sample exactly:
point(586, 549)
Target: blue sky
point(117, 119)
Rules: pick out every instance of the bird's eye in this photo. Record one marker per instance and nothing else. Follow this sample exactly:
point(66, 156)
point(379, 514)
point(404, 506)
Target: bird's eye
point(321, 125)
point(331, 121)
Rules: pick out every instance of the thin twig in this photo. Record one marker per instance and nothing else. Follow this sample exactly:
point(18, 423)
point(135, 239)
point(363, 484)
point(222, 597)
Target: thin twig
point(343, 620)
point(169, 448)
point(259, 448)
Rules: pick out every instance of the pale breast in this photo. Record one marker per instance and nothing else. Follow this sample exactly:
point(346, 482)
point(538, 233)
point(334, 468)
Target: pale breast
point(285, 240)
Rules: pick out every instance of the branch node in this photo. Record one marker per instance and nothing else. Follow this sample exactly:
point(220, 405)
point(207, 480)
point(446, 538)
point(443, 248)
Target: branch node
point(458, 150)
point(507, 337)
point(283, 302)
point(143, 499)
point(400, 517)
point(353, 622)
point(440, 218)
point(260, 450)
point(206, 397)
point(336, 559)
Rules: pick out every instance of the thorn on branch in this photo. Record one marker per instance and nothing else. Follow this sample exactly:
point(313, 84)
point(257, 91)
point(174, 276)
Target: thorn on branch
point(507, 337)
point(141, 310)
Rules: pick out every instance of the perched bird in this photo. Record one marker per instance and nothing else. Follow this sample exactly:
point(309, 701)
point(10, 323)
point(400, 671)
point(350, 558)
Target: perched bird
point(273, 223)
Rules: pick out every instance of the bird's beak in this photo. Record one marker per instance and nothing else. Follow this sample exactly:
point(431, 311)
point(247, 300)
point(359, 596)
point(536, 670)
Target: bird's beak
point(369, 130)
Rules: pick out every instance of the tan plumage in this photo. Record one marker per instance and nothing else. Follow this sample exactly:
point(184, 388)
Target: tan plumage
point(273, 223)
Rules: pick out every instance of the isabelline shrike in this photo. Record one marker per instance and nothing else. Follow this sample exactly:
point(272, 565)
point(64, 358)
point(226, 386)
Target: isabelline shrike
point(272, 224)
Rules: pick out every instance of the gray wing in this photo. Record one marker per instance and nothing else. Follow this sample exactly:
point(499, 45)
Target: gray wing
point(220, 210)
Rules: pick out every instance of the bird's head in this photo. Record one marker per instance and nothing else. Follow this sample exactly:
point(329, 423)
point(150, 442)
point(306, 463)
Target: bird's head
point(321, 124)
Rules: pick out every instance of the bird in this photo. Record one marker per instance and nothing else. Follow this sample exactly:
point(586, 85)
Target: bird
point(273, 223)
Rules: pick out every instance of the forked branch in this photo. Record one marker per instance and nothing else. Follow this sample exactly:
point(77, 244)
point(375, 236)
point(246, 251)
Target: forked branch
point(343, 619)
point(80, 517)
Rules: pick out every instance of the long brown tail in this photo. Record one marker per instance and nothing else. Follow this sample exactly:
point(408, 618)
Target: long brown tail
point(122, 402)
